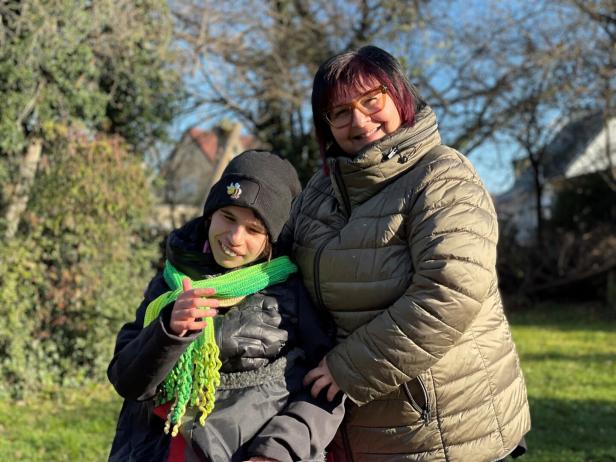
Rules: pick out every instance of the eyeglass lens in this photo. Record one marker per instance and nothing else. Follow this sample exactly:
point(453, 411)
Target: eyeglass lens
point(368, 103)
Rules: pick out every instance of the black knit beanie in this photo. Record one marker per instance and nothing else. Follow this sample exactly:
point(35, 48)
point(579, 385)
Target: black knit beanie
point(260, 180)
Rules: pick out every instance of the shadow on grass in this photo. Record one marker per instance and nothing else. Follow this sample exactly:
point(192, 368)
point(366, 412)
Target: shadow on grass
point(572, 430)
point(564, 317)
point(585, 358)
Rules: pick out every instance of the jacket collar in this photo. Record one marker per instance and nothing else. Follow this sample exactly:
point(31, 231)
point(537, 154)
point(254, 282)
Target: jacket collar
point(362, 176)
point(184, 249)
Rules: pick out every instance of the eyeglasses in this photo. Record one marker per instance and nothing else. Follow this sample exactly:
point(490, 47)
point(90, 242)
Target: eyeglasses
point(368, 103)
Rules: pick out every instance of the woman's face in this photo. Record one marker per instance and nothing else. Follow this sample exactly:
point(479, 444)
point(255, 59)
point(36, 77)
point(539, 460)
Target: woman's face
point(236, 236)
point(364, 129)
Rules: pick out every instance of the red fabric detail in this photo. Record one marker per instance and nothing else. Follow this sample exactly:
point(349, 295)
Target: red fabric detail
point(177, 448)
point(162, 410)
point(177, 444)
point(335, 452)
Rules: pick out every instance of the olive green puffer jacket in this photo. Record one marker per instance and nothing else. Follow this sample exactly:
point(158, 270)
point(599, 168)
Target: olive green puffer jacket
point(399, 244)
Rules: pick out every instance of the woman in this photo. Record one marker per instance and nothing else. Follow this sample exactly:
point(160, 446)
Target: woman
point(397, 240)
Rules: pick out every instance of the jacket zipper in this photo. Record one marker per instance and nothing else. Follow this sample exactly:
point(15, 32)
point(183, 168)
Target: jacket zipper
point(425, 412)
point(399, 147)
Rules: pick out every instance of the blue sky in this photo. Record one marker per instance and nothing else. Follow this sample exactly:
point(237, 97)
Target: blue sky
point(493, 161)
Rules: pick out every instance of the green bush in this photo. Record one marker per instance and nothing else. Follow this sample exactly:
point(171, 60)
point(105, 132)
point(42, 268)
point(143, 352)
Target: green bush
point(78, 266)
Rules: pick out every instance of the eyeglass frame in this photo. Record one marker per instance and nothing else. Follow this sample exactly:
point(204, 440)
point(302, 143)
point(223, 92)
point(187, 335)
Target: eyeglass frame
point(354, 104)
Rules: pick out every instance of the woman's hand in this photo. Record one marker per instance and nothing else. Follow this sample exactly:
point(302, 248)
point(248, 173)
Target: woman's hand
point(322, 378)
point(190, 309)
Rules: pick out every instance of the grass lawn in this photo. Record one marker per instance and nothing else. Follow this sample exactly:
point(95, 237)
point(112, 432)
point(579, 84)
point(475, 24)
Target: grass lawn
point(568, 355)
point(77, 425)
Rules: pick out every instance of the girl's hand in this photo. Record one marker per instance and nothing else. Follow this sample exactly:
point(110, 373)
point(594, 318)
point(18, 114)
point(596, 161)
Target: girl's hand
point(322, 378)
point(190, 309)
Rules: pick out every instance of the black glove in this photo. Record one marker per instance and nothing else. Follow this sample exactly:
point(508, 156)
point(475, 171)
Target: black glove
point(249, 335)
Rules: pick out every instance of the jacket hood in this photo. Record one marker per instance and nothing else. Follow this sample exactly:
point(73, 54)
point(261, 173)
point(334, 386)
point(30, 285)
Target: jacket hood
point(382, 161)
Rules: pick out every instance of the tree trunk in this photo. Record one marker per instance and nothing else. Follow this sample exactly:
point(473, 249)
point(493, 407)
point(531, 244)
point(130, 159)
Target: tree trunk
point(19, 200)
point(538, 186)
point(227, 155)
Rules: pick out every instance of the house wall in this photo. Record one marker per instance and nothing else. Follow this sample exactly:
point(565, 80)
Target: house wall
point(516, 207)
point(596, 158)
point(188, 174)
point(167, 217)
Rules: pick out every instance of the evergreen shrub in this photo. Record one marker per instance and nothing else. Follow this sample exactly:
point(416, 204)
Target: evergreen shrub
point(78, 266)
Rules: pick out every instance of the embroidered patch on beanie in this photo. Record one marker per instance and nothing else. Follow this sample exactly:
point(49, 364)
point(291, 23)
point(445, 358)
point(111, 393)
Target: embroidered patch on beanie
point(234, 190)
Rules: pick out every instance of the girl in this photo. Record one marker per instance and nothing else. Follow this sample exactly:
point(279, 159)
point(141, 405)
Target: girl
point(211, 367)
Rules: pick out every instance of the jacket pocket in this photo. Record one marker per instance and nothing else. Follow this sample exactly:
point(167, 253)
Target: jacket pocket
point(417, 395)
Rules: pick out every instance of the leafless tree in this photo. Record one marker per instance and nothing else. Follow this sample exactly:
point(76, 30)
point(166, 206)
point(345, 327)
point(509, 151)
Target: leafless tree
point(256, 59)
point(519, 71)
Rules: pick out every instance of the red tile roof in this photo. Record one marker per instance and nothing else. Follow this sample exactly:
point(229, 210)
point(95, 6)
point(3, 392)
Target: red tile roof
point(207, 141)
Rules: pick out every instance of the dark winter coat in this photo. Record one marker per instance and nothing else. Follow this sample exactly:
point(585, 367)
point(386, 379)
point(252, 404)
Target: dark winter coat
point(399, 244)
point(267, 343)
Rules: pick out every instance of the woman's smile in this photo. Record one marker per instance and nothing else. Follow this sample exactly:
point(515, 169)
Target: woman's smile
point(366, 135)
point(365, 129)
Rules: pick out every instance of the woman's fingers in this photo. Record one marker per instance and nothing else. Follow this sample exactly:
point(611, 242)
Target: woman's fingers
point(332, 391)
point(317, 372)
point(319, 384)
point(321, 378)
point(312, 375)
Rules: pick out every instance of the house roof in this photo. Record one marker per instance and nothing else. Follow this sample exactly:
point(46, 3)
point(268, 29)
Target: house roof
point(208, 141)
point(567, 146)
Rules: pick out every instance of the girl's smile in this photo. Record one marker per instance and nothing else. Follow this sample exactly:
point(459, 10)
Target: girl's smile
point(236, 236)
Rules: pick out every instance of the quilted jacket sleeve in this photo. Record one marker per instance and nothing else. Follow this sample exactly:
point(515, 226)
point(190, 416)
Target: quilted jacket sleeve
point(452, 235)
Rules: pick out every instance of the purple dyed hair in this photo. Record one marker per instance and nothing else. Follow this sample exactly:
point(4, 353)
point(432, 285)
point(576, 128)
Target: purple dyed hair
point(355, 69)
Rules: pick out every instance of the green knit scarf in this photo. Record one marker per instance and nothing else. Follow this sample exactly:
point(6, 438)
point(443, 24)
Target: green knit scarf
point(194, 378)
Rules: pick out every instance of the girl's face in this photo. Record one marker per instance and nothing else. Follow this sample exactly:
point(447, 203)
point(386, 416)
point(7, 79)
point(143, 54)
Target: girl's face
point(363, 129)
point(236, 236)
